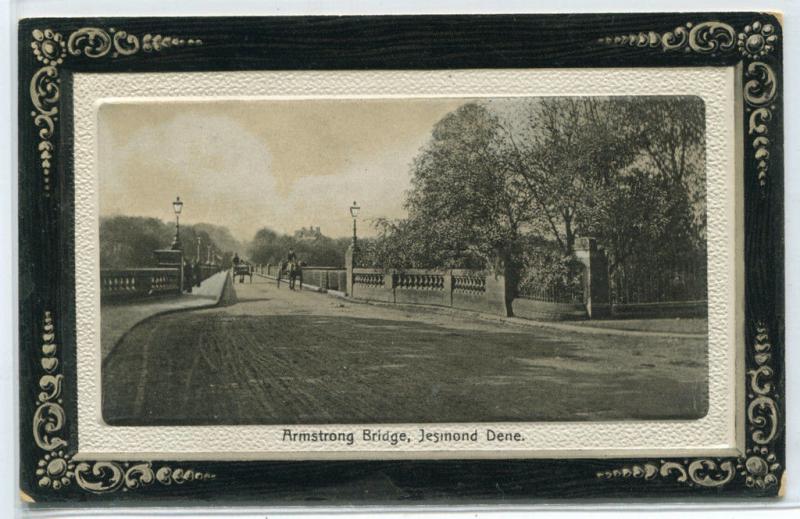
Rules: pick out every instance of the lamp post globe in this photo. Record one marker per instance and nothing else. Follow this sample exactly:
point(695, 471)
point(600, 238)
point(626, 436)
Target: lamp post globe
point(177, 207)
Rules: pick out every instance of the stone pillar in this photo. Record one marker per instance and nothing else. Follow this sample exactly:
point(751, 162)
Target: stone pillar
point(595, 278)
point(496, 295)
point(388, 284)
point(348, 265)
point(170, 258)
point(448, 287)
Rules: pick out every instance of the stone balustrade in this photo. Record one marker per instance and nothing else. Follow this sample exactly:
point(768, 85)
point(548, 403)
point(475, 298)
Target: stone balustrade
point(468, 282)
point(369, 279)
point(454, 288)
point(144, 282)
point(419, 280)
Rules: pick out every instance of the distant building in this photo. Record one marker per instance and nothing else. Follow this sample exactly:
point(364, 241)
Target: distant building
point(310, 233)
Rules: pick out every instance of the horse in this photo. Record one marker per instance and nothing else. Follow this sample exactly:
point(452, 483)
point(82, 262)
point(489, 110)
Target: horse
point(293, 271)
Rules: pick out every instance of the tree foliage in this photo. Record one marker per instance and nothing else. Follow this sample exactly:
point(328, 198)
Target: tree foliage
point(496, 188)
point(129, 241)
point(465, 207)
point(270, 247)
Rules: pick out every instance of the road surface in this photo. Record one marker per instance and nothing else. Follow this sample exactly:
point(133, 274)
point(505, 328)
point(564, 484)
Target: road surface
point(283, 357)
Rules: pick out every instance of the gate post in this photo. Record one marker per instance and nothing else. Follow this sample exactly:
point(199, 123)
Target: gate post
point(595, 278)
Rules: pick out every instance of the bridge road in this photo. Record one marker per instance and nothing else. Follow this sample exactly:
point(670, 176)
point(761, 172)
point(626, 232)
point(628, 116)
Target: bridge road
point(283, 357)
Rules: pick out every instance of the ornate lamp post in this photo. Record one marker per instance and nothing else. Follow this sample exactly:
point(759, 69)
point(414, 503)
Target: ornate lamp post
point(177, 206)
point(354, 209)
point(197, 258)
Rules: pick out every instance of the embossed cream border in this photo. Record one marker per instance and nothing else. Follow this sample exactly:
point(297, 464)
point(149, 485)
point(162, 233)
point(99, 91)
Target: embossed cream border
point(715, 434)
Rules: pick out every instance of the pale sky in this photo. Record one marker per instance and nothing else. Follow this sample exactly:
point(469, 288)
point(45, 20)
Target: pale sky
point(253, 164)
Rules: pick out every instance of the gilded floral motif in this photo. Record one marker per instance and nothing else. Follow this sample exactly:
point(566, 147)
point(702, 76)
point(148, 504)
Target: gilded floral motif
point(759, 465)
point(56, 468)
point(757, 40)
point(754, 42)
point(51, 49)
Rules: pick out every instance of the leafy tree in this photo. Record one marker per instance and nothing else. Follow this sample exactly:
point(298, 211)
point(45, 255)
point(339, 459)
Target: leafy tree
point(627, 171)
point(670, 132)
point(220, 237)
point(653, 214)
point(270, 247)
point(465, 205)
point(496, 189)
point(567, 152)
point(129, 241)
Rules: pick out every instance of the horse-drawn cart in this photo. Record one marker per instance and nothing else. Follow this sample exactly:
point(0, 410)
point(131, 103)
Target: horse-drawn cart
point(241, 270)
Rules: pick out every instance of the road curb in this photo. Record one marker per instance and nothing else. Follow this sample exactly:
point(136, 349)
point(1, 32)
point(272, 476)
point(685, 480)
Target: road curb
point(599, 330)
point(591, 330)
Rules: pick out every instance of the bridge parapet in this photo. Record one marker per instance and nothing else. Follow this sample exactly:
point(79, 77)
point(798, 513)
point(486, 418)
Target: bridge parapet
point(455, 288)
point(133, 283)
point(468, 282)
point(324, 278)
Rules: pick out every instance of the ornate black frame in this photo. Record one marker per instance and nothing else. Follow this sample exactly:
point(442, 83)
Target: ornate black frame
point(51, 50)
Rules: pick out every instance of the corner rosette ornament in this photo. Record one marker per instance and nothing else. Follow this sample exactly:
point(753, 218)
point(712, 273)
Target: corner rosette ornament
point(757, 40)
point(55, 470)
point(49, 47)
point(760, 468)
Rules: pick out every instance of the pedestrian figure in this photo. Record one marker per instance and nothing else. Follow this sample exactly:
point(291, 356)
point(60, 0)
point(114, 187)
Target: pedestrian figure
point(677, 288)
point(198, 274)
point(188, 276)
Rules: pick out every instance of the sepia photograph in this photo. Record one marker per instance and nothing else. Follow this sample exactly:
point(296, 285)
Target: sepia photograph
point(403, 260)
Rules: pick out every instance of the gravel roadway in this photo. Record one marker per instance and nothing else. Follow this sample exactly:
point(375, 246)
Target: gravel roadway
point(291, 357)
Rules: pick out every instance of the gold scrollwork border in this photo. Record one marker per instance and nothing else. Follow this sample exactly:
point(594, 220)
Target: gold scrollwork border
point(56, 469)
point(759, 465)
point(50, 49)
point(754, 43)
